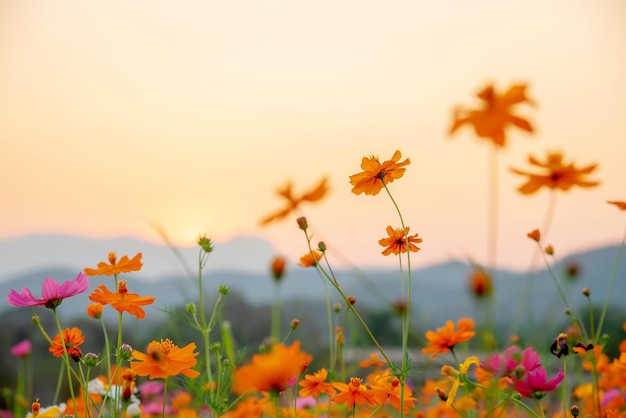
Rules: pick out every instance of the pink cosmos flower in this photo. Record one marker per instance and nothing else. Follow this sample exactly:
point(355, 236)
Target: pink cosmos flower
point(52, 294)
point(535, 384)
point(512, 362)
point(22, 350)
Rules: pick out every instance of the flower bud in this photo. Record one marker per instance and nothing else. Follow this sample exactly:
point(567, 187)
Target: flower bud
point(295, 323)
point(223, 289)
point(91, 359)
point(125, 352)
point(303, 224)
point(191, 308)
point(321, 246)
point(351, 300)
point(205, 243)
point(586, 291)
point(574, 410)
point(278, 267)
point(535, 235)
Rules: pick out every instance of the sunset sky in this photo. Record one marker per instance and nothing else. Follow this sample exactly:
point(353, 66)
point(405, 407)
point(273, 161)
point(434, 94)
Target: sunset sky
point(118, 115)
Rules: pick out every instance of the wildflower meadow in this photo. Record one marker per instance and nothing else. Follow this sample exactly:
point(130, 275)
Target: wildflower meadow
point(464, 367)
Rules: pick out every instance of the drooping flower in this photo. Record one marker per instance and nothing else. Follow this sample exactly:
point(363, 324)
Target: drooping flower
point(293, 202)
point(396, 242)
point(124, 265)
point(376, 174)
point(121, 301)
point(355, 393)
point(621, 205)
point(445, 338)
point(94, 310)
point(535, 383)
point(315, 384)
point(72, 338)
point(494, 115)
point(310, 259)
point(164, 359)
point(52, 294)
point(22, 349)
point(555, 174)
point(273, 371)
point(458, 377)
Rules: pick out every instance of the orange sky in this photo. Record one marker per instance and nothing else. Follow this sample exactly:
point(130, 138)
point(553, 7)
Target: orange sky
point(118, 114)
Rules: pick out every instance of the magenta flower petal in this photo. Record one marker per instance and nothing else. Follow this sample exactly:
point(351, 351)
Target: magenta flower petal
point(24, 298)
point(22, 350)
point(52, 293)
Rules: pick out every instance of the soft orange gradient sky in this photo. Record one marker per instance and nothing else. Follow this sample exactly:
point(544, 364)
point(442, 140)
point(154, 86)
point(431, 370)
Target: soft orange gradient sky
point(115, 115)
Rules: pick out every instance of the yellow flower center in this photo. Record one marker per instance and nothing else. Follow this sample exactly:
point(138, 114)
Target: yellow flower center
point(166, 346)
point(112, 257)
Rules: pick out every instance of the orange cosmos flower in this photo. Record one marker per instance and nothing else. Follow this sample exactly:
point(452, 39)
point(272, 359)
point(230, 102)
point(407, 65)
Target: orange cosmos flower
point(445, 338)
point(355, 393)
point(316, 194)
point(116, 267)
point(535, 235)
point(73, 337)
point(121, 301)
point(493, 117)
point(164, 359)
point(273, 371)
point(396, 242)
point(375, 175)
point(94, 310)
point(620, 204)
point(310, 259)
point(315, 384)
point(555, 174)
point(386, 388)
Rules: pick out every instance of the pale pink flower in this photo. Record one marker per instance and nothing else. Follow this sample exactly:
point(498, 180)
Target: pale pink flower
point(22, 350)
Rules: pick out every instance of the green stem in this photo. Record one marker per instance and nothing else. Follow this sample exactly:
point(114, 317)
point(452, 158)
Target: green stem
point(66, 359)
point(164, 397)
point(275, 331)
point(508, 397)
point(107, 348)
point(610, 289)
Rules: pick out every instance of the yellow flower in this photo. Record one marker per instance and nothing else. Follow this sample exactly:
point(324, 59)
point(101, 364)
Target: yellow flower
point(458, 377)
point(376, 174)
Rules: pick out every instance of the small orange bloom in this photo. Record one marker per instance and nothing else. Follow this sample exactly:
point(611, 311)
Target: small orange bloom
point(621, 205)
point(310, 259)
point(535, 235)
point(480, 283)
point(164, 359)
point(555, 174)
point(116, 267)
point(355, 393)
point(278, 267)
point(397, 240)
point(372, 361)
point(445, 338)
point(493, 117)
point(94, 310)
point(273, 371)
point(315, 384)
point(316, 194)
point(72, 337)
point(121, 301)
point(375, 175)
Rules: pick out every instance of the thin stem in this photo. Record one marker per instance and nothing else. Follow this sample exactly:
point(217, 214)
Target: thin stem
point(66, 359)
point(275, 331)
point(492, 210)
point(107, 347)
point(610, 289)
point(164, 397)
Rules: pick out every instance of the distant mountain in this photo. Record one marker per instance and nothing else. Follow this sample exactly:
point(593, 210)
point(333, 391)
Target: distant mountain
point(439, 292)
point(73, 253)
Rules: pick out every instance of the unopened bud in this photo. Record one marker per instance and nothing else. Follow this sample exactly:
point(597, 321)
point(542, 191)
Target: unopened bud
point(91, 359)
point(295, 323)
point(125, 352)
point(303, 224)
point(351, 300)
point(574, 410)
point(586, 291)
point(205, 243)
point(321, 246)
